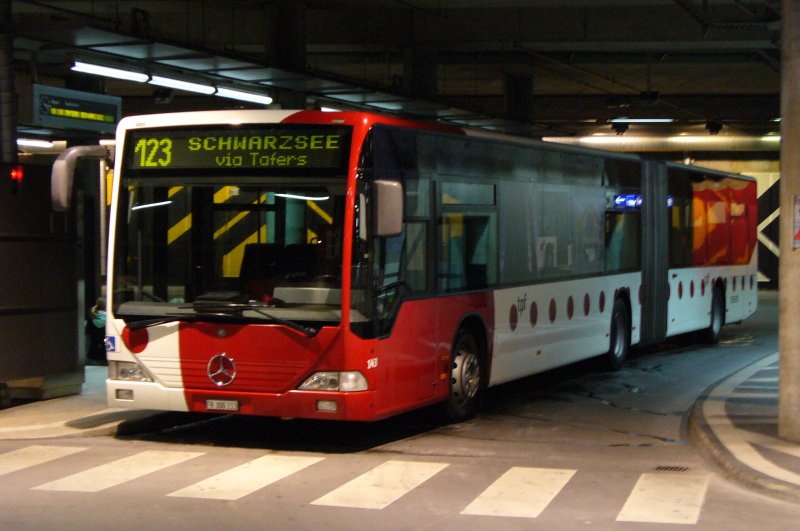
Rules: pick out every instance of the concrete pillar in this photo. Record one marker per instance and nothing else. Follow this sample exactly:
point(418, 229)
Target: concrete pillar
point(518, 102)
point(286, 36)
point(789, 269)
point(421, 72)
point(290, 99)
point(519, 97)
point(8, 95)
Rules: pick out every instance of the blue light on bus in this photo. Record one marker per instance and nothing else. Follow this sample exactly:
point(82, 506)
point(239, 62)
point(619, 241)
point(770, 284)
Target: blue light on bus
point(627, 201)
point(633, 201)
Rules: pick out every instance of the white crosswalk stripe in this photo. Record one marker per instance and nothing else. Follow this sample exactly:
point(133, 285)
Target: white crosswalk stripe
point(666, 498)
point(118, 472)
point(520, 492)
point(247, 478)
point(382, 485)
point(34, 455)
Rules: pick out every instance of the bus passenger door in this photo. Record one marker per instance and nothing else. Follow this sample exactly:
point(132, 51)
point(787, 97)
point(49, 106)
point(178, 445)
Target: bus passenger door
point(406, 320)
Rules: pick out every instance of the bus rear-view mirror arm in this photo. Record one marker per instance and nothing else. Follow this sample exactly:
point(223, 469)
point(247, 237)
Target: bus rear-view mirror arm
point(63, 173)
point(389, 208)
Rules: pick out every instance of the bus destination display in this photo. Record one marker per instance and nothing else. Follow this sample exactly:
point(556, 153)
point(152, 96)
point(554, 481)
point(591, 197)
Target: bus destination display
point(228, 148)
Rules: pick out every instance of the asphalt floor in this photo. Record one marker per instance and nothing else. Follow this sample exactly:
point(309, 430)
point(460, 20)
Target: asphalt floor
point(734, 424)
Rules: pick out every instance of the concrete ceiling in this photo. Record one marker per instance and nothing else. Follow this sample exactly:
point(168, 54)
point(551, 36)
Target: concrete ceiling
point(535, 67)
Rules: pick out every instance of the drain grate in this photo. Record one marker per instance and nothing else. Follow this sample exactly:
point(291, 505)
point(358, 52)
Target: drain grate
point(668, 468)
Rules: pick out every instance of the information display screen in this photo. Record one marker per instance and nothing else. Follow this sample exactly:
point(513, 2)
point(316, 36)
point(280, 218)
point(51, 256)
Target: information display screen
point(261, 147)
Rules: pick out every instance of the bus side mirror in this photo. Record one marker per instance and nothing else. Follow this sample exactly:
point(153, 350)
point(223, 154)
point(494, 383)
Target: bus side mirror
point(388, 208)
point(63, 173)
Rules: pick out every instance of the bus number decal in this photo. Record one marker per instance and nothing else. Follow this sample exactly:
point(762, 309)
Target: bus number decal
point(154, 152)
point(372, 363)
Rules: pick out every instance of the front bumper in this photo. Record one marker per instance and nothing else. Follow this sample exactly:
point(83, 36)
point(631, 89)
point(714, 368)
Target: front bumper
point(360, 406)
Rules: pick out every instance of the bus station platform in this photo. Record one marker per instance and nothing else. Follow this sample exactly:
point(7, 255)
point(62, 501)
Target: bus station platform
point(733, 424)
point(83, 415)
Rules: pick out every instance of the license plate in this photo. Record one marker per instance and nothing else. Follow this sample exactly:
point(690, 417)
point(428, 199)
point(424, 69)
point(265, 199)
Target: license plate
point(222, 405)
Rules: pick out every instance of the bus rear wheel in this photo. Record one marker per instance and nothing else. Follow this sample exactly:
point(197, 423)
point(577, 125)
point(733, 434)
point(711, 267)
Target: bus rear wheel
point(466, 378)
point(714, 329)
point(619, 337)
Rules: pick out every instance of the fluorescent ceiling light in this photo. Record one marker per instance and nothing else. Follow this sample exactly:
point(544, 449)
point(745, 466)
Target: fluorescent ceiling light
point(641, 121)
point(610, 139)
point(181, 85)
point(33, 142)
point(697, 139)
point(658, 143)
point(243, 96)
point(304, 197)
point(107, 71)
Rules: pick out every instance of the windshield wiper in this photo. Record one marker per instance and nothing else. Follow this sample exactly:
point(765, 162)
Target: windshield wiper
point(217, 309)
point(226, 309)
point(169, 318)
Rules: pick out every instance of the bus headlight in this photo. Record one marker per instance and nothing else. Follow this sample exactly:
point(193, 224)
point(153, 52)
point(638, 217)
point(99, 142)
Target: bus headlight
point(335, 381)
point(127, 371)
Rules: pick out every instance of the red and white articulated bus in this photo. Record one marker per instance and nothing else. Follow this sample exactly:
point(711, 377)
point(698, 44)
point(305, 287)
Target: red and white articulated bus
point(352, 266)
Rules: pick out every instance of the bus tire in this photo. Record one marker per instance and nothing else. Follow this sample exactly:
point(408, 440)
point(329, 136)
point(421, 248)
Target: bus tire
point(466, 378)
point(619, 336)
point(717, 316)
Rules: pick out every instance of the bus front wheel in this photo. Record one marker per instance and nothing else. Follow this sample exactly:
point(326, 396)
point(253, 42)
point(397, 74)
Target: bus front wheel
point(466, 375)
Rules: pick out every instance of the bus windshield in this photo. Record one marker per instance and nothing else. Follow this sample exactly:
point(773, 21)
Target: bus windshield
point(221, 247)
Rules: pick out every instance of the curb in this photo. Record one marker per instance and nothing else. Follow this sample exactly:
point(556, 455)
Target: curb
point(705, 441)
point(709, 441)
point(102, 423)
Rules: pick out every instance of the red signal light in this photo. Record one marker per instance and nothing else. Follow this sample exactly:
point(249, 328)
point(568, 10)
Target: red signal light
point(16, 174)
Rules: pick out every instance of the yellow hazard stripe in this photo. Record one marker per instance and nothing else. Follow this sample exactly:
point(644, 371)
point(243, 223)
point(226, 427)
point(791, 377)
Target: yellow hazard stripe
point(321, 213)
point(179, 229)
point(232, 261)
point(237, 218)
point(223, 194)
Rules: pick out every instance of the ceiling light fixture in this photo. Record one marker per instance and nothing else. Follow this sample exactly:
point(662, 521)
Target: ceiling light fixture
point(107, 71)
point(151, 205)
point(243, 96)
point(641, 120)
point(304, 197)
point(33, 142)
point(674, 143)
point(181, 85)
point(601, 139)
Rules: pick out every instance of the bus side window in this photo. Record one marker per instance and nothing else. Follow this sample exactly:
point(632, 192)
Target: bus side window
point(622, 241)
point(416, 256)
point(451, 254)
point(519, 225)
point(555, 243)
point(588, 206)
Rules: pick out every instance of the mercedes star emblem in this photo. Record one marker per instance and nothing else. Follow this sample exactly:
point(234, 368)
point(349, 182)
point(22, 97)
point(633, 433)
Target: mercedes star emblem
point(221, 370)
